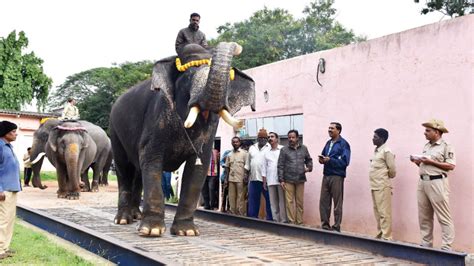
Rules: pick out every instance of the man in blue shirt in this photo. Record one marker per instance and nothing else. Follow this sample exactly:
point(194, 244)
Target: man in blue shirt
point(9, 186)
point(225, 189)
point(335, 156)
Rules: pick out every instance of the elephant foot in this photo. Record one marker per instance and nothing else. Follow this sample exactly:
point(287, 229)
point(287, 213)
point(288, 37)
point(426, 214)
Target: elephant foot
point(184, 228)
point(124, 216)
point(83, 189)
point(72, 195)
point(40, 186)
point(136, 213)
point(103, 184)
point(61, 194)
point(152, 225)
point(95, 186)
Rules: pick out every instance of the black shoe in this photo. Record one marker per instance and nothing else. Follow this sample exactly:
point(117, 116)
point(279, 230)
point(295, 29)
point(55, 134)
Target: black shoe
point(338, 229)
point(326, 228)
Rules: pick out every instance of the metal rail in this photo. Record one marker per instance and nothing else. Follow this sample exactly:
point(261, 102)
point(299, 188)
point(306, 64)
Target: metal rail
point(122, 253)
point(111, 249)
point(405, 251)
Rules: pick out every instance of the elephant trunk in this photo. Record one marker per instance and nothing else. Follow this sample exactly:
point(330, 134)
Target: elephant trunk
point(36, 169)
point(37, 157)
point(73, 168)
point(214, 93)
point(36, 150)
point(213, 96)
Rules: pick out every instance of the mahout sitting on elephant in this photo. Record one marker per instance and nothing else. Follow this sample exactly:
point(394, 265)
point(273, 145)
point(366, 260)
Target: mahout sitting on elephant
point(158, 129)
point(100, 165)
point(71, 150)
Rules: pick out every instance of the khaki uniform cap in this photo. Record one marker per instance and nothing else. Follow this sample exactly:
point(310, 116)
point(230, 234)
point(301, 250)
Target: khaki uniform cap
point(436, 124)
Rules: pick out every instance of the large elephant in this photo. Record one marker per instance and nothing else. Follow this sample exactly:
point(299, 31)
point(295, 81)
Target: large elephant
point(157, 129)
point(71, 150)
point(100, 165)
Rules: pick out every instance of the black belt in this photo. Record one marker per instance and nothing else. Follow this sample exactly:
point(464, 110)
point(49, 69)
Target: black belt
point(432, 177)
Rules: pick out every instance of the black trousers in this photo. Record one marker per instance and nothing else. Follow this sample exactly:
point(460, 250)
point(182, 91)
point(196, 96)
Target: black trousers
point(225, 197)
point(332, 190)
point(27, 175)
point(210, 192)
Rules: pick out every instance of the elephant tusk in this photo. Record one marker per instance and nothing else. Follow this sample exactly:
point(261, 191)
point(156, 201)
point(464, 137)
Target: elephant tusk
point(229, 119)
point(38, 157)
point(238, 49)
point(193, 113)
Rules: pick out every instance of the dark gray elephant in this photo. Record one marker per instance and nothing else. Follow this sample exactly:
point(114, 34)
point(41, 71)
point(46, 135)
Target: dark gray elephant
point(100, 165)
point(71, 150)
point(158, 129)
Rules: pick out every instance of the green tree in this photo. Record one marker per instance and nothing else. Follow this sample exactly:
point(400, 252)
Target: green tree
point(266, 37)
point(452, 8)
point(273, 35)
point(96, 89)
point(21, 75)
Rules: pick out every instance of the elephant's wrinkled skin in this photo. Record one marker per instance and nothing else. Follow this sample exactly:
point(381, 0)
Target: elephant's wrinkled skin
point(101, 163)
point(71, 150)
point(148, 136)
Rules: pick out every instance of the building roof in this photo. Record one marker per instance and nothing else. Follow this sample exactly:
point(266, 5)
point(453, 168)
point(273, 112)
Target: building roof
point(26, 113)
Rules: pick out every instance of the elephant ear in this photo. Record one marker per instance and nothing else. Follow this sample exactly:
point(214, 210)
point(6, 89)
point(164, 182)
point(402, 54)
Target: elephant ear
point(164, 76)
point(53, 139)
point(241, 92)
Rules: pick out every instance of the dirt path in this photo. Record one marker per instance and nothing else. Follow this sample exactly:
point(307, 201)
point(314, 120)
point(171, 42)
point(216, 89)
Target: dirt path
point(47, 198)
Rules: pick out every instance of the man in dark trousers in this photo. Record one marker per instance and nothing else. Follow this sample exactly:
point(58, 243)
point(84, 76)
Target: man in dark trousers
point(210, 189)
point(191, 34)
point(27, 167)
point(335, 156)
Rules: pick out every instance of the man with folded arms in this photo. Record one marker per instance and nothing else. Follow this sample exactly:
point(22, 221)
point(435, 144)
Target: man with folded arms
point(433, 189)
point(382, 169)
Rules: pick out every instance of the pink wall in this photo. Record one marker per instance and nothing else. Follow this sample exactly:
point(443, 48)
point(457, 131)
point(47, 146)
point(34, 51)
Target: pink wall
point(26, 128)
point(396, 82)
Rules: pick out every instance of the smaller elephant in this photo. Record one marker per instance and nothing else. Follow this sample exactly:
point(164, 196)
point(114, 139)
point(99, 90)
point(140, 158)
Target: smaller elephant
point(71, 150)
point(100, 166)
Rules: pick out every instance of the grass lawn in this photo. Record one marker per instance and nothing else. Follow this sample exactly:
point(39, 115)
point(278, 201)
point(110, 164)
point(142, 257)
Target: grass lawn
point(34, 248)
point(51, 176)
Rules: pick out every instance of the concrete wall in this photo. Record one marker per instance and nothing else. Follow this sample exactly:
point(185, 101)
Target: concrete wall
point(396, 82)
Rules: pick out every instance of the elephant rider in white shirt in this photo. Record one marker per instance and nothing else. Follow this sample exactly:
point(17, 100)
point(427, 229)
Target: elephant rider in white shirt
point(70, 111)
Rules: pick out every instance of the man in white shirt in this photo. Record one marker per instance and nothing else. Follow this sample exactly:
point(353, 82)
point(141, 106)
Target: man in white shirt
point(270, 179)
point(256, 187)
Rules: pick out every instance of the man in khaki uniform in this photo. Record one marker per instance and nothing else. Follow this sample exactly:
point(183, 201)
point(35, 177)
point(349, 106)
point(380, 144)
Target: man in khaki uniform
point(382, 169)
point(433, 189)
point(237, 170)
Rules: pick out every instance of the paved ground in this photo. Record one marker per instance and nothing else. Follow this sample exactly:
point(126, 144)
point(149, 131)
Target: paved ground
point(218, 243)
point(37, 198)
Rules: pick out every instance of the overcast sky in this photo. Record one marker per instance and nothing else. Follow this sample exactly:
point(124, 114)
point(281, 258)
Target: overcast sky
point(76, 35)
